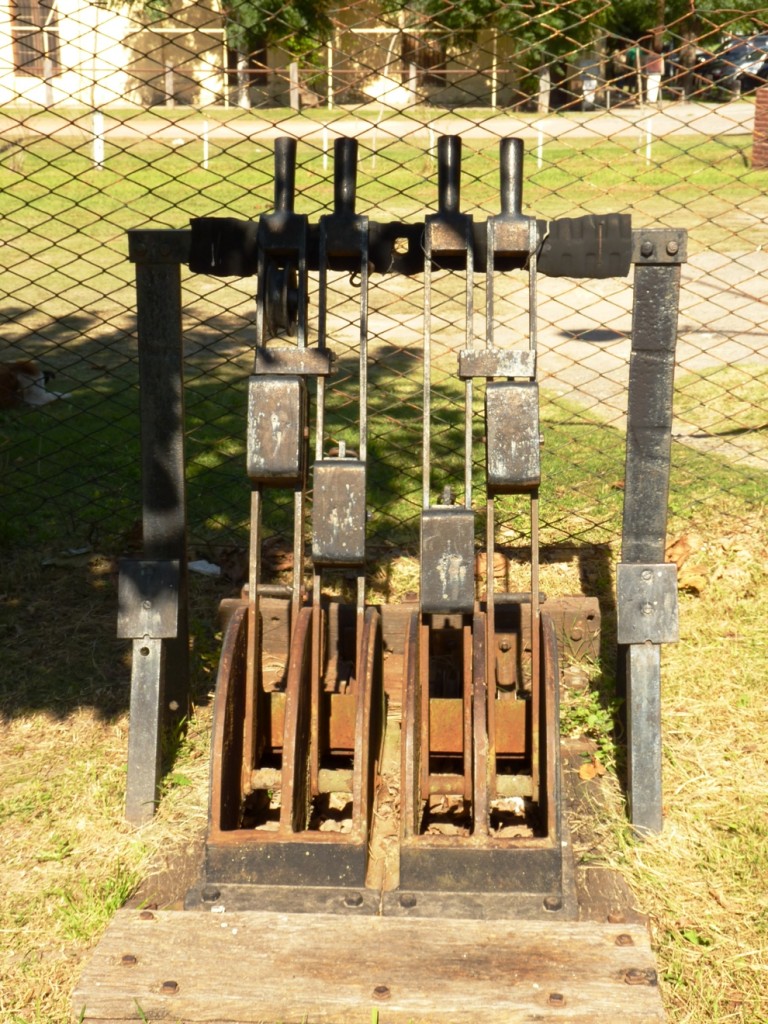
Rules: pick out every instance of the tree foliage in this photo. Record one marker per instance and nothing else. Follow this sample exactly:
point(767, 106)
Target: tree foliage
point(543, 29)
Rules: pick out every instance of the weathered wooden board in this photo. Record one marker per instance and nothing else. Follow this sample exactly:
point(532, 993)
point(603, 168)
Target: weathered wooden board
point(240, 968)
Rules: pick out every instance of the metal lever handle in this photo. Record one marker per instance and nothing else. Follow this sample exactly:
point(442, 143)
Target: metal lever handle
point(285, 174)
point(448, 173)
point(511, 160)
point(344, 175)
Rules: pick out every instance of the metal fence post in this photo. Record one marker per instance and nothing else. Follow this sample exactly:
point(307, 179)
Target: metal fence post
point(162, 694)
point(646, 593)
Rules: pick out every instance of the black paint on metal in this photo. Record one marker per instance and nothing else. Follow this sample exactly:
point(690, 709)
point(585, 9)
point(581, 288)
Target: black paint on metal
point(162, 703)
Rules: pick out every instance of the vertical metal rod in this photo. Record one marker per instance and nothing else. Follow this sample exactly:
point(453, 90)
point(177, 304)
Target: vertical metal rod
point(364, 341)
point(533, 320)
point(285, 174)
point(468, 698)
point(424, 738)
point(253, 647)
point(490, 674)
point(426, 442)
point(489, 281)
point(315, 697)
point(468, 384)
point(535, 649)
point(448, 173)
point(322, 341)
point(511, 161)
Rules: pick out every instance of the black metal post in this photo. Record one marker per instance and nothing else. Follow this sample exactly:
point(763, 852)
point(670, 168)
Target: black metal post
point(160, 691)
point(645, 623)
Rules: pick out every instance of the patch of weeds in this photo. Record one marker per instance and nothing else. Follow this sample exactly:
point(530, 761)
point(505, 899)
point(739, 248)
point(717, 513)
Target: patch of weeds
point(592, 713)
point(86, 908)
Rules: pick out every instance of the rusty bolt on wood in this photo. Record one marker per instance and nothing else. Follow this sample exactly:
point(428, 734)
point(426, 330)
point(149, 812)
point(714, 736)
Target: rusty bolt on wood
point(129, 960)
point(624, 940)
point(616, 917)
point(556, 999)
point(146, 915)
point(640, 976)
point(169, 988)
point(381, 992)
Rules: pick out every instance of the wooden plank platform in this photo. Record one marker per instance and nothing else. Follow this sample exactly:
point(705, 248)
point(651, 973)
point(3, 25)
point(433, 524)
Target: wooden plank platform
point(239, 968)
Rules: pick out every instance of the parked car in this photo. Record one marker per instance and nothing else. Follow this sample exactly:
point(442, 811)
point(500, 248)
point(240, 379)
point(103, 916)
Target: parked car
point(739, 65)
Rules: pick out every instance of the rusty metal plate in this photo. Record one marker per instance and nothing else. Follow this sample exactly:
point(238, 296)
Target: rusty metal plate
point(448, 560)
point(310, 362)
point(338, 512)
point(510, 720)
point(513, 235)
point(275, 441)
point(446, 725)
point(341, 723)
point(513, 450)
point(494, 362)
point(148, 599)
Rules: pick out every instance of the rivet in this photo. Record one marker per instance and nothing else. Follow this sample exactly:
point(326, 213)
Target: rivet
point(672, 248)
point(647, 574)
point(408, 901)
point(146, 915)
point(169, 988)
point(638, 976)
point(646, 249)
point(624, 940)
point(353, 899)
point(647, 609)
point(552, 903)
point(381, 992)
point(210, 894)
point(129, 960)
point(556, 999)
point(146, 604)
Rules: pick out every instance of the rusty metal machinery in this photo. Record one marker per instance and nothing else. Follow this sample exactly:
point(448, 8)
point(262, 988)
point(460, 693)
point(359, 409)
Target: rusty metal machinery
point(301, 737)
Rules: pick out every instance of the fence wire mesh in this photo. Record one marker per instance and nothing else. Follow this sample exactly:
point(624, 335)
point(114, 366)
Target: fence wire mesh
point(116, 118)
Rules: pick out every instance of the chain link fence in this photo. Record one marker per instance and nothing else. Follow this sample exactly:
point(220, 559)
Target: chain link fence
point(115, 119)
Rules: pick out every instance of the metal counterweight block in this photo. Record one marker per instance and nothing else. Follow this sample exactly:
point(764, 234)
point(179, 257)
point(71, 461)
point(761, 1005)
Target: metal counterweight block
point(512, 426)
point(448, 560)
point(338, 512)
point(276, 421)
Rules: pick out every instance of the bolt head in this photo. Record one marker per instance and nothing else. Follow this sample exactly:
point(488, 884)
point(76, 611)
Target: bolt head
point(672, 248)
point(646, 249)
point(129, 960)
point(353, 899)
point(647, 609)
point(624, 940)
point(381, 992)
point(210, 894)
point(169, 988)
point(556, 999)
point(552, 903)
point(408, 901)
point(146, 915)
